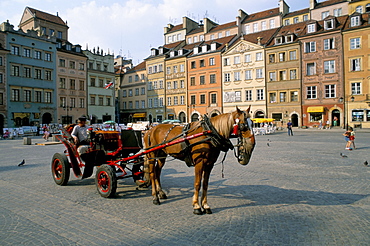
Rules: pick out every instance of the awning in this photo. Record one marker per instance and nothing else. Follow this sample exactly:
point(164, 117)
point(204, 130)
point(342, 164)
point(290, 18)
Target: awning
point(139, 115)
point(318, 109)
point(262, 120)
point(21, 115)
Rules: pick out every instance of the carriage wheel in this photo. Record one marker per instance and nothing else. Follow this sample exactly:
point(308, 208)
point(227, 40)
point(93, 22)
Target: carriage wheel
point(60, 169)
point(106, 181)
point(146, 177)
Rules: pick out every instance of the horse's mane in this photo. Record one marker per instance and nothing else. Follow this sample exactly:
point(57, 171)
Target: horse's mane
point(223, 123)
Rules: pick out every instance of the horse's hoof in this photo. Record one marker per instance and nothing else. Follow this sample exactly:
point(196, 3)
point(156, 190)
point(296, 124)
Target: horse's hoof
point(208, 211)
point(198, 211)
point(163, 196)
point(156, 202)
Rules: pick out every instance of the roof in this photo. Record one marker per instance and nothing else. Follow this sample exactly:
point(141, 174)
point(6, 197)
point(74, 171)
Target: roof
point(175, 28)
point(364, 22)
point(222, 41)
point(341, 21)
point(263, 36)
point(298, 12)
point(46, 16)
point(140, 66)
point(328, 3)
point(261, 15)
point(223, 26)
point(172, 45)
point(296, 29)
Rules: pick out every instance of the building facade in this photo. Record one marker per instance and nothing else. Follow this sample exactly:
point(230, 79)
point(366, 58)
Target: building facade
point(3, 82)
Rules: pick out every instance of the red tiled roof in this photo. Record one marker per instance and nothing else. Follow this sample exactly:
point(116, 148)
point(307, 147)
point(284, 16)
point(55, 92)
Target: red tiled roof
point(264, 36)
point(175, 28)
point(341, 21)
point(363, 22)
point(328, 3)
point(261, 15)
point(172, 45)
point(140, 66)
point(195, 30)
point(46, 16)
point(223, 26)
point(296, 29)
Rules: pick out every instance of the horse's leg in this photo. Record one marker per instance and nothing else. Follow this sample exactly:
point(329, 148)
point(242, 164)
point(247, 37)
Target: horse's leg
point(159, 166)
point(198, 171)
point(206, 174)
point(152, 174)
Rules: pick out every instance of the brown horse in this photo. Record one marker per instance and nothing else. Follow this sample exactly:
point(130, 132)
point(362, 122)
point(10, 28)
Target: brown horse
point(201, 152)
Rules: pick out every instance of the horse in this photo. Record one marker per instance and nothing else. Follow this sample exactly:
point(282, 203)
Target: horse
point(201, 152)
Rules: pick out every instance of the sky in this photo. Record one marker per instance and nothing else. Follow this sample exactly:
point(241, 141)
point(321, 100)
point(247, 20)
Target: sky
point(130, 28)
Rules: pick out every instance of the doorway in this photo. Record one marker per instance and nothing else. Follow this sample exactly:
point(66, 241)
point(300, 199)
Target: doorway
point(335, 117)
point(294, 120)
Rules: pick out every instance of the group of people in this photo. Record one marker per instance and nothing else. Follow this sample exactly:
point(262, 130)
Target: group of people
point(349, 137)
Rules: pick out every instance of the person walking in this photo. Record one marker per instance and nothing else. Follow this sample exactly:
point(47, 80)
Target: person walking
point(352, 138)
point(346, 135)
point(289, 126)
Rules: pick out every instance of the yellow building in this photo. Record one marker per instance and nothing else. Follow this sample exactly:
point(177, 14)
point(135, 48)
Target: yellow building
point(356, 39)
point(359, 6)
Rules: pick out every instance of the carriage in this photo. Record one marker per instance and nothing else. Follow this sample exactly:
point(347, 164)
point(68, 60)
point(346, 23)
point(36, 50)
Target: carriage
point(118, 155)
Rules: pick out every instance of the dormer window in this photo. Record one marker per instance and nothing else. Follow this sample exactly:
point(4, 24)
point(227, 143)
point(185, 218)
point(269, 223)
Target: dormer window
point(278, 40)
point(180, 52)
point(359, 9)
point(355, 21)
point(329, 24)
point(161, 50)
point(78, 49)
point(154, 52)
point(289, 38)
point(68, 47)
point(195, 50)
point(311, 28)
point(213, 46)
point(172, 53)
point(201, 38)
point(204, 48)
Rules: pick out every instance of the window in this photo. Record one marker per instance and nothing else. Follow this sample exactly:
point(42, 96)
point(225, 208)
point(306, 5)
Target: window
point(101, 101)
point(248, 95)
point(356, 88)
point(212, 78)
point(136, 91)
point(259, 56)
point(355, 64)
point(367, 8)
point(227, 33)
point(263, 25)
point(182, 100)
point(48, 75)
point(51, 32)
point(192, 99)
point(81, 103)
point(27, 72)
point(72, 84)
point(150, 103)
point(92, 82)
point(169, 85)
point(182, 68)
point(311, 92)
point(295, 20)
point(130, 79)
point(286, 22)
point(202, 63)
point(337, 12)
point(278, 40)
point(260, 94)
point(81, 85)
point(236, 59)
point(227, 77)
point(359, 9)
point(355, 43)
point(310, 47)
point(248, 74)
point(62, 83)
point(202, 99)
point(329, 43)
point(311, 68)
point(175, 100)
point(202, 80)
point(226, 61)
point(47, 57)
point(272, 58)
point(38, 96)
point(289, 38)
point(161, 84)
point(192, 81)
point(324, 14)
point(47, 97)
point(330, 91)
point(142, 103)
point(26, 52)
point(282, 75)
point(294, 96)
point(259, 73)
point(293, 55)
point(62, 63)
point(82, 66)
point(293, 74)
point(255, 27)
point(15, 95)
point(175, 69)
point(355, 20)
point(282, 57)
point(168, 70)
point(272, 76)
point(182, 84)
point(142, 90)
point(248, 58)
point(101, 82)
point(213, 98)
point(311, 28)
point(315, 117)
point(272, 97)
point(92, 100)
point(38, 74)
point(193, 64)
point(169, 101)
point(282, 96)
point(15, 70)
point(272, 23)
point(37, 55)
point(212, 61)
point(27, 96)
point(175, 85)
point(236, 76)
point(1, 60)
point(329, 66)
point(60, 34)
point(238, 96)
point(1, 78)
point(329, 24)
point(305, 18)
point(15, 50)
point(219, 35)
point(130, 93)
point(136, 77)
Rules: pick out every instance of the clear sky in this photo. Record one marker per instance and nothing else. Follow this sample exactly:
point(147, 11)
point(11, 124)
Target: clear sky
point(131, 27)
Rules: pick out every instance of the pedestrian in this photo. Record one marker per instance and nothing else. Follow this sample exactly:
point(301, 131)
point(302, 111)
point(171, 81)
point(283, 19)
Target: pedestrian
point(352, 138)
point(335, 121)
point(346, 135)
point(328, 124)
point(46, 134)
point(290, 130)
point(6, 134)
point(320, 124)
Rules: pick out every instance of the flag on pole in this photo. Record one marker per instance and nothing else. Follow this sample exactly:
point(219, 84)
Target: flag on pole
point(107, 86)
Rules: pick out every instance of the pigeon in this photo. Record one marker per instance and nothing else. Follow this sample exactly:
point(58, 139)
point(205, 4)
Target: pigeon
point(268, 144)
point(366, 163)
point(22, 163)
point(344, 156)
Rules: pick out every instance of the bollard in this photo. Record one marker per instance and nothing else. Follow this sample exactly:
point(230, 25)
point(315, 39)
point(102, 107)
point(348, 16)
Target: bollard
point(27, 141)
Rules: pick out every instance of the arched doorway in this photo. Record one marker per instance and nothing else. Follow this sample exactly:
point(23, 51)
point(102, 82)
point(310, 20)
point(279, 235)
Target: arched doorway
point(335, 117)
point(294, 118)
point(214, 114)
point(46, 118)
point(182, 117)
point(194, 117)
point(1, 125)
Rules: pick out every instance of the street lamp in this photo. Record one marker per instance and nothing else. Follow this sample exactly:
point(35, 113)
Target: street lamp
point(67, 108)
point(346, 117)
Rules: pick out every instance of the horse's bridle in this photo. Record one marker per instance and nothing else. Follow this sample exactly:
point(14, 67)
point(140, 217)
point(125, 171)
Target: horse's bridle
point(247, 125)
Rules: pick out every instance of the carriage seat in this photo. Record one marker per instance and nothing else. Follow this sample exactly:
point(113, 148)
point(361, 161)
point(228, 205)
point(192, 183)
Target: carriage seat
point(108, 140)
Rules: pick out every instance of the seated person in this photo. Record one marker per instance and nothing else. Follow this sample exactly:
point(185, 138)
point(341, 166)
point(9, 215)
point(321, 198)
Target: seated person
point(80, 135)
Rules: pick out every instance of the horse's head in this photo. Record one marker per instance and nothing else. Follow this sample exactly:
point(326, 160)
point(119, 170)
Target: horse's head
point(246, 140)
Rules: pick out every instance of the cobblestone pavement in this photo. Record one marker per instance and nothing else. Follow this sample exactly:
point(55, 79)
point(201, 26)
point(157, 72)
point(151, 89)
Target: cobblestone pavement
point(297, 191)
